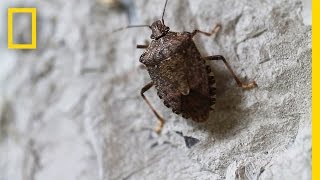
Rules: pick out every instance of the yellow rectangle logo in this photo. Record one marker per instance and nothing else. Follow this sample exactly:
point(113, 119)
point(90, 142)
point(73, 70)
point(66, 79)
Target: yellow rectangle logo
point(11, 44)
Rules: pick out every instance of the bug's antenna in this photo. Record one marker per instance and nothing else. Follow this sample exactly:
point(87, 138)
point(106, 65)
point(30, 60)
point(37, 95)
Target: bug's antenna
point(130, 26)
point(164, 10)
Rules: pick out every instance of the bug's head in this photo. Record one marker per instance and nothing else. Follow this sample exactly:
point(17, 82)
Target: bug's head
point(158, 29)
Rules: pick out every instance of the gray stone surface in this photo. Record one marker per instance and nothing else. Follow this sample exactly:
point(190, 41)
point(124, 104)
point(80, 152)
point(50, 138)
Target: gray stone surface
point(72, 110)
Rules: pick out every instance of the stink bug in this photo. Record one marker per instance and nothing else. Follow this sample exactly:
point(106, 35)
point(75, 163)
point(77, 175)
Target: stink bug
point(179, 72)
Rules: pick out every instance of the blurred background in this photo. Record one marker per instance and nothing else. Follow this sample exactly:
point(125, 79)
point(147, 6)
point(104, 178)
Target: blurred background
point(71, 109)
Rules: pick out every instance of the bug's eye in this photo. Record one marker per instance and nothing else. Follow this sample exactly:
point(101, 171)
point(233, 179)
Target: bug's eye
point(167, 28)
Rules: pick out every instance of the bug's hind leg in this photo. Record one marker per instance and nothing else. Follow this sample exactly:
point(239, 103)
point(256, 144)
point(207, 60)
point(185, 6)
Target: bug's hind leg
point(250, 85)
point(214, 31)
point(160, 119)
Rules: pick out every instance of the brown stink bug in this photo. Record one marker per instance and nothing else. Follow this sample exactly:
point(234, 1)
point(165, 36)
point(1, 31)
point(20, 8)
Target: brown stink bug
point(179, 72)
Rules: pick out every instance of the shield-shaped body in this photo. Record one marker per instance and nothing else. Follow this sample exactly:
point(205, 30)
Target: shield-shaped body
point(180, 75)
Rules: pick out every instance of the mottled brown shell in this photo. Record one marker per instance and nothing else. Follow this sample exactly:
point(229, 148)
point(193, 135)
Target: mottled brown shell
point(180, 75)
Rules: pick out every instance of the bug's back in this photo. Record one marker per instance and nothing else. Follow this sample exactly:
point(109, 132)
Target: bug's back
point(179, 74)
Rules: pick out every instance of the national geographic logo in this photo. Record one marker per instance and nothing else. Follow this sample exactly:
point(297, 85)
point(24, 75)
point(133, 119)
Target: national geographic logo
point(11, 43)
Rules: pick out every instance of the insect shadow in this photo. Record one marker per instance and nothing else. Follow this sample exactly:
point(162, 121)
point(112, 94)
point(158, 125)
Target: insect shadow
point(228, 114)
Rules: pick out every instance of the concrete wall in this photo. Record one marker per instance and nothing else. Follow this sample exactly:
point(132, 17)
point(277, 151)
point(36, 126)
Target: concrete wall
point(71, 110)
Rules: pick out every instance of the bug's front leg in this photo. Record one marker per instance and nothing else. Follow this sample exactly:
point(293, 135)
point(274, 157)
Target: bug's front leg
point(214, 31)
point(139, 46)
point(250, 85)
point(142, 46)
point(160, 119)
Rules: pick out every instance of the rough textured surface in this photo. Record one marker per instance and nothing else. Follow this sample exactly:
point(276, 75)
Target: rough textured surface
point(71, 109)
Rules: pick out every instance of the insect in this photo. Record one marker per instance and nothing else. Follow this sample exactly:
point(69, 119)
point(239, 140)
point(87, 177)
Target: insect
point(179, 72)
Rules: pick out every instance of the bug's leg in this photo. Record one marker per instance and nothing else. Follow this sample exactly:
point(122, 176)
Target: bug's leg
point(214, 31)
point(160, 119)
point(139, 46)
point(240, 83)
point(142, 46)
point(146, 45)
